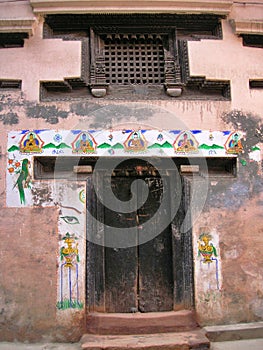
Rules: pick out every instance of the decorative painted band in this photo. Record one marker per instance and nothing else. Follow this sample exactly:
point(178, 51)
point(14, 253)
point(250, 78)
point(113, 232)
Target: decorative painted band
point(166, 143)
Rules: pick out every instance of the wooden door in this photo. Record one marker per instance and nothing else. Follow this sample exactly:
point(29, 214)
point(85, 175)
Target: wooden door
point(155, 286)
point(121, 264)
point(139, 278)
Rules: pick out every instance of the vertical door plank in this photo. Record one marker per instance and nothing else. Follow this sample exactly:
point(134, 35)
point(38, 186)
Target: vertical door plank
point(95, 252)
point(155, 256)
point(121, 263)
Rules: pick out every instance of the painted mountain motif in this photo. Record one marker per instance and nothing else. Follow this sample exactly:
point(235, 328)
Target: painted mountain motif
point(118, 146)
point(166, 144)
point(204, 146)
point(104, 145)
point(13, 148)
point(60, 146)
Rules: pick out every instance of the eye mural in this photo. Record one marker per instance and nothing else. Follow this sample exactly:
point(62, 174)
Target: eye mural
point(69, 257)
point(72, 220)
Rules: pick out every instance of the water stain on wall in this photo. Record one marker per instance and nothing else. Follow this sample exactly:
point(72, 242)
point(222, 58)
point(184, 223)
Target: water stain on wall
point(50, 114)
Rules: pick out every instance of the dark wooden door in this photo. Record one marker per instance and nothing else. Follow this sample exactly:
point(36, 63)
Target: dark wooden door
point(139, 278)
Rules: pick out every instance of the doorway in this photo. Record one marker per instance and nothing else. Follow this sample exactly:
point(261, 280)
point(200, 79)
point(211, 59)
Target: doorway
point(139, 278)
point(155, 276)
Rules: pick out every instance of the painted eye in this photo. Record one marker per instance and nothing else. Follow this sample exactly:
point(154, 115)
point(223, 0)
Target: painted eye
point(70, 219)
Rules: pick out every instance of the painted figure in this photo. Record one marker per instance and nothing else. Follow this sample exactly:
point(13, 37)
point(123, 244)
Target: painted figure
point(84, 144)
point(186, 143)
point(30, 144)
point(23, 180)
point(69, 253)
point(233, 144)
point(69, 274)
point(135, 142)
point(206, 248)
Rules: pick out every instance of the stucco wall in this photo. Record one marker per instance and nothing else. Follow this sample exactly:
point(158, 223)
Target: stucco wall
point(30, 243)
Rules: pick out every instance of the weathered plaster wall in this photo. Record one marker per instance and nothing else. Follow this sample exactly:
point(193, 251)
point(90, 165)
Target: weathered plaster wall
point(30, 236)
point(232, 215)
point(240, 297)
point(29, 244)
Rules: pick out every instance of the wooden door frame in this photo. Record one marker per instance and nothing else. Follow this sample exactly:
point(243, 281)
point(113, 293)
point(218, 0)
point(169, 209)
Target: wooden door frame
point(182, 257)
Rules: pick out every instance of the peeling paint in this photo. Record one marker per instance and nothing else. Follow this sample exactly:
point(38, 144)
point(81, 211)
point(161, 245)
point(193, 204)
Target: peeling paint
point(250, 124)
point(51, 114)
point(9, 118)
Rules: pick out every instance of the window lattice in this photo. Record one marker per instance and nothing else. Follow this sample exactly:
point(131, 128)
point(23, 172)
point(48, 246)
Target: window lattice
point(134, 59)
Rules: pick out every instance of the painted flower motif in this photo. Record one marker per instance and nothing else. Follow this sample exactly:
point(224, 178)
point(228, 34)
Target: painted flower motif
point(14, 166)
point(57, 138)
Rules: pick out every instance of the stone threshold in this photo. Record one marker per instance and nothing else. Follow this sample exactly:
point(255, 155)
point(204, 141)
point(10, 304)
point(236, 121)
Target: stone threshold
point(161, 341)
point(231, 332)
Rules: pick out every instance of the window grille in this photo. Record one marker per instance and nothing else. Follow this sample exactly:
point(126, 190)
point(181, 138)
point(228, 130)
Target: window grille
point(134, 59)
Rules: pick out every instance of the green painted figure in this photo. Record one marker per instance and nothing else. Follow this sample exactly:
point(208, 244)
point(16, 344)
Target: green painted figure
point(23, 180)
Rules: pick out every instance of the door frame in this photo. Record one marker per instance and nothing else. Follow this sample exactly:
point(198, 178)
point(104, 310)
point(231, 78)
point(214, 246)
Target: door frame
point(182, 252)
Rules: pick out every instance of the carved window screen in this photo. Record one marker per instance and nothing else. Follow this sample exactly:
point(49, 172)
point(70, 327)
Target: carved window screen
point(134, 59)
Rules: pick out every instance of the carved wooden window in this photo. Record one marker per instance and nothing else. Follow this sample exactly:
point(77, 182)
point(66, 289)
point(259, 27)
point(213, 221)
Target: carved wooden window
point(133, 56)
point(145, 56)
point(134, 59)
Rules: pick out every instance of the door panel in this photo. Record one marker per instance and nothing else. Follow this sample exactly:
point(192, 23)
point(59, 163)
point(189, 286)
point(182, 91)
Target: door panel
point(155, 257)
point(121, 264)
point(139, 277)
point(145, 276)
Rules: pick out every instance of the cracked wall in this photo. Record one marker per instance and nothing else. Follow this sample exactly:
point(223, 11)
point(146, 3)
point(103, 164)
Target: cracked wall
point(231, 215)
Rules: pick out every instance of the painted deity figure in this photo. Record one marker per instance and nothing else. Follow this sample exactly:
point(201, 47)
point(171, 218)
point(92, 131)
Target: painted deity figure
point(31, 144)
point(235, 145)
point(84, 144)
point(69, 274)
point(186, 144)
point(206, 247)
point(136, 143)
point(69, 253)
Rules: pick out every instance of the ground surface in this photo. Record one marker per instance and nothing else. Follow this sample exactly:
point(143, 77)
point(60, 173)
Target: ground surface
point(255, 344)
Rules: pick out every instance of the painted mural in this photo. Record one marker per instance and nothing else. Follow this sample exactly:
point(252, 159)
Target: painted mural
point(72, 243)
point(84, 143)
point(206, 248)
point(209, 259)
point(20, 171)
point(22, 190)
point(135, 142)
point(69, 273)
point(186, 143)
point(24, 145)
point(31, 143)
point(148, 142)
point(233, 144)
